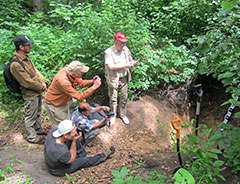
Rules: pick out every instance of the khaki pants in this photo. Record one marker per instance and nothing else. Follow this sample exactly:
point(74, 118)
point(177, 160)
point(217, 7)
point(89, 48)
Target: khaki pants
point(57, 113)
point(32, 120)
point(113, 97)
point(90, 136)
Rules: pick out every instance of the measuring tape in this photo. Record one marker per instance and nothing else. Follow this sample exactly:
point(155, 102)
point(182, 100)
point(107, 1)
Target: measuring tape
point(229, 112)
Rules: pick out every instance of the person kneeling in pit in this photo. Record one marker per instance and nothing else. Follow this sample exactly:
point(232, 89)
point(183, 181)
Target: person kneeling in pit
point(93, 118)
point(64, 153)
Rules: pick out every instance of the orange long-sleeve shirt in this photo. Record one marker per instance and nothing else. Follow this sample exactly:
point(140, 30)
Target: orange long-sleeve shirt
point(62, 89)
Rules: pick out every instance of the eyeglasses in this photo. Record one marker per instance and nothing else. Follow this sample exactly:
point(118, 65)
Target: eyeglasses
point(121, 43)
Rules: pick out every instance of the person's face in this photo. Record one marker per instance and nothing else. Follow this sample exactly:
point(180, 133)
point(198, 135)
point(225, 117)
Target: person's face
point(119, 45)
point(79, 75)
point(26, 48)
point(87, 112)
point(72, 134)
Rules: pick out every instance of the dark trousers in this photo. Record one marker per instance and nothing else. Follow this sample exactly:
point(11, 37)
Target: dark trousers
point(81, 160)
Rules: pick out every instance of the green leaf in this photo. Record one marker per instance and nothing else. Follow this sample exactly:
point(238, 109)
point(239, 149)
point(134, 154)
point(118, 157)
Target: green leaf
point(237, 115)
point(201, 39)
point(183, 176)
point(218, 163)
point(117, 181)
point(228, 4)
point(193, 138)
point(2, 174)
point(204, 48)
point(123, 172)
point(217, 151)
point(129, 180)
point(227, 81)
point(212, 155)
point(225, 75)
point(237, 92)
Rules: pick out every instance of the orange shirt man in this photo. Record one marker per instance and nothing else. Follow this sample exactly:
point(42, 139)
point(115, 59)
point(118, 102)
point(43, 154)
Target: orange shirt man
point(63, 89)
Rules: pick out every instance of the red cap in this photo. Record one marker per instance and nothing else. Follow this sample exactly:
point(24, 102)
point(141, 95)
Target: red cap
point(120, 36)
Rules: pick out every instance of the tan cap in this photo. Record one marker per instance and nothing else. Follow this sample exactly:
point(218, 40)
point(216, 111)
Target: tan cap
point(76, 67)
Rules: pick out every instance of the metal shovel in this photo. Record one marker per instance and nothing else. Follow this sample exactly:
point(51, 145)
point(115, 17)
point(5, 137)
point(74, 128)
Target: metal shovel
point(199, 91)
point(177, 128)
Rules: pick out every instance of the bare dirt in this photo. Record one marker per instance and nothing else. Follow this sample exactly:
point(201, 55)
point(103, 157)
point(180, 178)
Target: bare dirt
point(142, 146)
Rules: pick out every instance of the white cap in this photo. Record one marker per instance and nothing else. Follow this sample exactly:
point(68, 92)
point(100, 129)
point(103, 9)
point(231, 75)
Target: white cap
point(64, 127)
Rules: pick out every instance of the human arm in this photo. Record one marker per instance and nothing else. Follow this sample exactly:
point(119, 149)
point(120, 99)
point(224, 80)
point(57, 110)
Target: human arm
point(95, 82)
point(136, 62)
point(67, 89)
point(112, 66)
point(44, 84)
point(73, 149)
point(25, 80)
point(79, 120)
point(99, 123)
point(99, 108)
point(116, 61)
point(115, 66)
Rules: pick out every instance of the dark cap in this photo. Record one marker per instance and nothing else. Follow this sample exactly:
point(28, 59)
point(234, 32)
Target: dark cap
point(22, 40)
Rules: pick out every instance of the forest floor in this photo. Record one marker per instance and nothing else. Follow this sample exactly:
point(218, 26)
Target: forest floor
point(143, 146)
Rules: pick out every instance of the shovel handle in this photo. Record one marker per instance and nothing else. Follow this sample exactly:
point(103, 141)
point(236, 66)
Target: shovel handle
point(177, 128)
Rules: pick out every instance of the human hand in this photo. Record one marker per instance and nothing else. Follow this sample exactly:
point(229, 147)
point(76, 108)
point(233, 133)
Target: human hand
point(80, 123)
point(97, 83)
point(96, 77)
point(107, 118)
point(77, 136)
point(106, 108)
point(129, 65)
point(135, 63)
point(44, 86)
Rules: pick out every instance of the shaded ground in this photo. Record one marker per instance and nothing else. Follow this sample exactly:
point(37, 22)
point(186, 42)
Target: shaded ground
point(142, 146)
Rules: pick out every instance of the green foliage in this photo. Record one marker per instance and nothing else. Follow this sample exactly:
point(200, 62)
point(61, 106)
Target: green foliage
point(92, 32)
point(207, 165)
point(9, 169)
point(182, 176)
point(2, 174)
point(126, 177)
point(13, 12)
point(14, 158)
point(183, 18)
point(168, 64)
point(139, 164)
point(10, 103)
point(119, 175)
point(71, 178)
point(219, 48)
point(227, 137)
point(177, 20)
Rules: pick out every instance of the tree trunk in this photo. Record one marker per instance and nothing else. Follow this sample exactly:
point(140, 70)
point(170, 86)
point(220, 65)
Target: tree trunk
point(37, 5)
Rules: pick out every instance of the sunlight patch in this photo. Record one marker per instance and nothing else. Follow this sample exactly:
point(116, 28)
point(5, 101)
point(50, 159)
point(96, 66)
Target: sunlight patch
point(18, 138)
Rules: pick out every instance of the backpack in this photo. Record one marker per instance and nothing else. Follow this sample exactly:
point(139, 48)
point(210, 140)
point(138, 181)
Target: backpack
point(11, 82)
